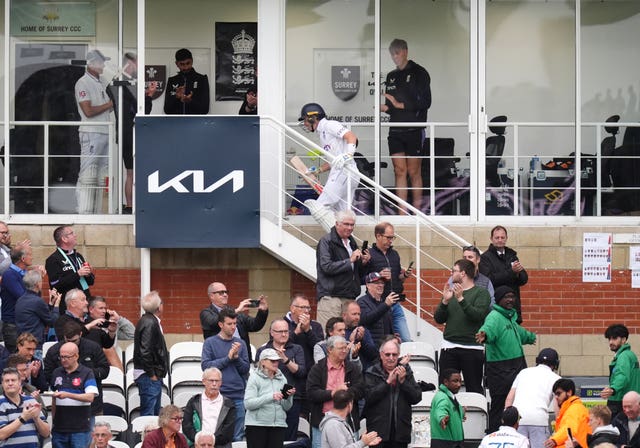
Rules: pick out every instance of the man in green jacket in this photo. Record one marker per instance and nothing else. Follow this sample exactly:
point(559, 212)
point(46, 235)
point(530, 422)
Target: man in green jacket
point(446, 413)
point(503, 338)
point(623, 369)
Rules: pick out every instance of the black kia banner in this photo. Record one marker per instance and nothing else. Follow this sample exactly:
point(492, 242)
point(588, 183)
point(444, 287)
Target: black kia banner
point(197, 182)
point(236, 59)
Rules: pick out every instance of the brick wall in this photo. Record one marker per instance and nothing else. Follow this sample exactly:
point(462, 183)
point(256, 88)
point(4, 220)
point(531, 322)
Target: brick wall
point(554, 301)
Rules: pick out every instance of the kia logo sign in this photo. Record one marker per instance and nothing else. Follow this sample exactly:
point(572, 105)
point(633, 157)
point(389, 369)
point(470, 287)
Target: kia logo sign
point(209, 188)
point(236, 177)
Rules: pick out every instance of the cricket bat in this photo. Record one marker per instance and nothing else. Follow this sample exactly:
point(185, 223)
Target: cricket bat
point(309, 178)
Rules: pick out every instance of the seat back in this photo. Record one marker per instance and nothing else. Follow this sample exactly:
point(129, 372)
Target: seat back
point(445, 163)
point(494, 148)
point(422, 353)
point(477, 414)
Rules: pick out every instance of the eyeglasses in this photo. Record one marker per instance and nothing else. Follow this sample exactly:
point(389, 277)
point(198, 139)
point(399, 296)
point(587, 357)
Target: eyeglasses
point(69, 233)
point(5, 233)
point(389, 237)
point(559, 392)
point(303, 307)
point(212, 380)
point(177, 419)
point(280, 331)
point(221, 292)
point(390, 355)
point(66, 356)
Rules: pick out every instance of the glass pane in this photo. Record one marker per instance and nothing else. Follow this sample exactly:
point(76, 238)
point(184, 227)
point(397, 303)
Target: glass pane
point(50, 47)
point(611, 171)
point(438, 39)
point(535, 89)
point(334, 68)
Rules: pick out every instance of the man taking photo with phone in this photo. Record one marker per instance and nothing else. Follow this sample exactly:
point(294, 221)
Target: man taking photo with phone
point(385, 260)
point(219, 299)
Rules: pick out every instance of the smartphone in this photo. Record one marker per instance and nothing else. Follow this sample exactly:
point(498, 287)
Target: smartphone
point(365, 245)
point(106, 322)
point(402, 297)
point(569, 433)
point(410, 266)
point(254, 303)
point(286, 388)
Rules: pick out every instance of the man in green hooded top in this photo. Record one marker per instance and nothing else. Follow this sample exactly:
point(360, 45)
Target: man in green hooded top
point(503, 338)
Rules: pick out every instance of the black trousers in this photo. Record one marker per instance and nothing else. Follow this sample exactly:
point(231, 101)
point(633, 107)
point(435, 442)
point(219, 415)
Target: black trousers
point(264, 436)
point(469, 361)
point(500, 376)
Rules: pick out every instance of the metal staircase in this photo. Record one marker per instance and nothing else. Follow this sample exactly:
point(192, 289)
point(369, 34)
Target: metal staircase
point(292, 238)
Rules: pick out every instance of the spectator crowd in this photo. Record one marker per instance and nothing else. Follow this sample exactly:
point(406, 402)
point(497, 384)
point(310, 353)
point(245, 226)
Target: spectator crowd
point(331, 373)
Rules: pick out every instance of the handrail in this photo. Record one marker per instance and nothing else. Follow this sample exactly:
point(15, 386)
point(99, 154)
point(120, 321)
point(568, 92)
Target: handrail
point(420, 219)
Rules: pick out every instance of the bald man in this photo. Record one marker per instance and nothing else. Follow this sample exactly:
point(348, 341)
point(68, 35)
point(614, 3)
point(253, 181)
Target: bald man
point(628, 421)
point(219, 299)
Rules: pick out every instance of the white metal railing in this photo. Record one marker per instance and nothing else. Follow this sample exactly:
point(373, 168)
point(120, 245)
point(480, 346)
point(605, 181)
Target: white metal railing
point(518, 161)
point(46, 156)
point(291, 142)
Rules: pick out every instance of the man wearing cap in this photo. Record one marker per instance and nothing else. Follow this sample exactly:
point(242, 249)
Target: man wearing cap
point(375, 308)
point(508, 434)
point(385, 260)
point(188, 91)
point(94, 105)
point(462, 309)
point(532, 394)
point(503, 338)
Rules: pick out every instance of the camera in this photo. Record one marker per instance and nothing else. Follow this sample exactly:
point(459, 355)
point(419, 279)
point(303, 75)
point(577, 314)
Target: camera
point(254, 303)
point(106, 322)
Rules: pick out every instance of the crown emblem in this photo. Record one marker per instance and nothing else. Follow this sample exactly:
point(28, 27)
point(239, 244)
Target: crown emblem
point(243, 43)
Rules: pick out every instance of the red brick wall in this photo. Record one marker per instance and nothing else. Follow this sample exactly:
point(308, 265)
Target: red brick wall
point(184, 293)
point(554, 301)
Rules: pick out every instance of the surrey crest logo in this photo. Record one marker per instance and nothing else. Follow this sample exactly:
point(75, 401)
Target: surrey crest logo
point(345, 81)
point(157, 74)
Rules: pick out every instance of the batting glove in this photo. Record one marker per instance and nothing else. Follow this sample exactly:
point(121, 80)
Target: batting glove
point(339, 161)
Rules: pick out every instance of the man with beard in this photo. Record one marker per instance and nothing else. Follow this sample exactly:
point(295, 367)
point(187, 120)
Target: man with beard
point(357, 334)
point(188, 91)
point(623, 369)
point(503, 338)
point(462, 309)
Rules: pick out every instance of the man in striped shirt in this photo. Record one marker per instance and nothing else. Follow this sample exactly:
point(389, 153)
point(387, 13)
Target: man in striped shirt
point(21, 417)
point(74, 389)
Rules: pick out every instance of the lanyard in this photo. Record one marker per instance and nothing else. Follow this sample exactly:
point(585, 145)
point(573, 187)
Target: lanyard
point(82, 280)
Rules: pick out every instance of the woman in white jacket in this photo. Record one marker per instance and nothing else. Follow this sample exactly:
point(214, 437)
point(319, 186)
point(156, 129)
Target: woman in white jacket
point(266, 404)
